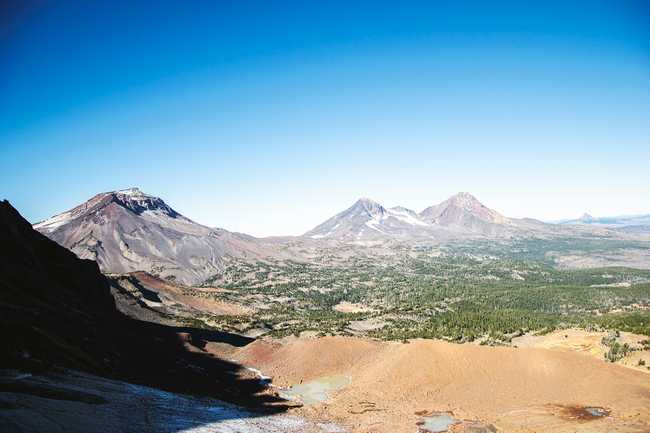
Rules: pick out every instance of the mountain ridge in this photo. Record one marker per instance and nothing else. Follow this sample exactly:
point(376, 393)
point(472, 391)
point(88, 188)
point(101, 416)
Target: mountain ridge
point(460, 213)
point(451, 210)
point(613, 221)
point(128, 230)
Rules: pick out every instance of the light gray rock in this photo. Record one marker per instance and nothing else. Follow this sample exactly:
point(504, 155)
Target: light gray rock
point(73, 402)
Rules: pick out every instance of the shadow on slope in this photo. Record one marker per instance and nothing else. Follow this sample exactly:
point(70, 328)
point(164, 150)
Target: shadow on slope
point(62, 402)
point(57, 311)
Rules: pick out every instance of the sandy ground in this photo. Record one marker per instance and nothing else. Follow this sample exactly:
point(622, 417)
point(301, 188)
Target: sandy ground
point(203, 303)
point(525, 389)
point(588, 343)
point(633, 258)
point(349, 307)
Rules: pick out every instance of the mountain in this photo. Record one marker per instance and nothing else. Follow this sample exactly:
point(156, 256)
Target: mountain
point(632, 225)
point(367, 220)
point(613, 221)
point(459, 216)
point(36, 271)
point(47, 299)
point(463, 211)
point(129, 230)
point(57, 310)
point(586, 218)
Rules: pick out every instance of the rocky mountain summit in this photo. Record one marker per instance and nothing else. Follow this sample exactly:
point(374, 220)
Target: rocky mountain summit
point(129, 230)
point(464, 210)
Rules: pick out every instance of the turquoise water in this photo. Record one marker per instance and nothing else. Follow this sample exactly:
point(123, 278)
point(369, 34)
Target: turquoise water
point(596, 411)
point(315, 391)
point(439, 422)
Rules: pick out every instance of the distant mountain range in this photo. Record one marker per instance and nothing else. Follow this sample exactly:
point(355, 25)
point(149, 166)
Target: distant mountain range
point(461, 215)
point(613, 221)
point(368, 220)
point(128, 230)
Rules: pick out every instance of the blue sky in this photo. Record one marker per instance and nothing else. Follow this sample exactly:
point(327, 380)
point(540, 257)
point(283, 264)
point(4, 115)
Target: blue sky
point(269, 117)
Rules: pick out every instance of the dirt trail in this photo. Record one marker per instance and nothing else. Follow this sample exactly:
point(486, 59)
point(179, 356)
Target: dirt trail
point(515, 389)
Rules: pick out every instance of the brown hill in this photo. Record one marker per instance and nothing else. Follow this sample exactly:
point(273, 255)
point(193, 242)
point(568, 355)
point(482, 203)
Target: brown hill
point(516, 390)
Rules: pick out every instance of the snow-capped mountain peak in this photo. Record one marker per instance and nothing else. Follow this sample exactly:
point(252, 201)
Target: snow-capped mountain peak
point(128, 230)
point(131, 199)
point(368, 206)
point(366, 220)
point(138, 202)
point(133, 191)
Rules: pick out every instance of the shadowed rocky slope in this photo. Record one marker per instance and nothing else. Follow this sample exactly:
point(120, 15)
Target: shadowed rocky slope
point(56, 310)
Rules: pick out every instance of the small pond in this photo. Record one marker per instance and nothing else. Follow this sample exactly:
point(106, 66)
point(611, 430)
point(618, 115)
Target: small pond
point(315, 391)
point(597, 411)
point(438, 422)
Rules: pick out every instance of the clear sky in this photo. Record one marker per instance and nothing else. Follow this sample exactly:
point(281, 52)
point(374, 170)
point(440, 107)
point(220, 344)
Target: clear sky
point(269, 117)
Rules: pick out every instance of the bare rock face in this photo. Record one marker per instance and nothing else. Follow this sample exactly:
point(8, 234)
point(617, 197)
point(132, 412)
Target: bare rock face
point(128, 230)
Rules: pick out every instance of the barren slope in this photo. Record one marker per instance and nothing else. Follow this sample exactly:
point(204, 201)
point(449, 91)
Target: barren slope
point(516, 390)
